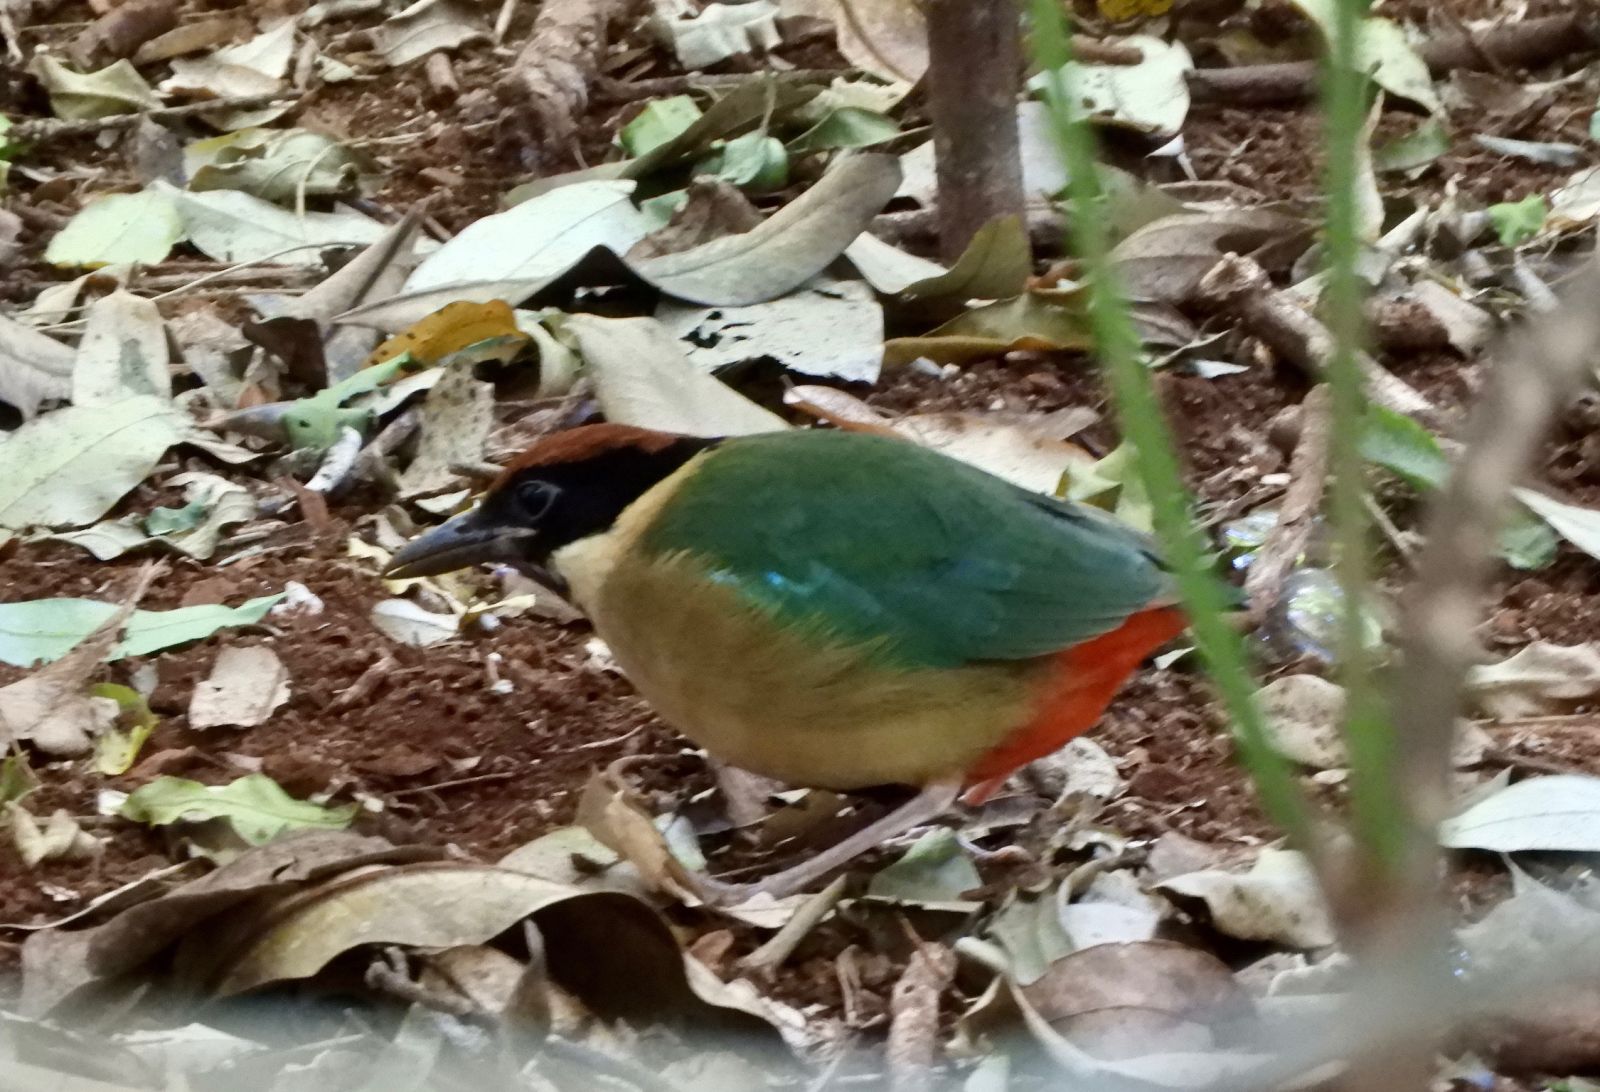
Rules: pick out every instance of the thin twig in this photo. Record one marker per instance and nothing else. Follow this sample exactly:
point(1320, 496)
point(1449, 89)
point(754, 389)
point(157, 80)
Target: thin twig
point(44, 129)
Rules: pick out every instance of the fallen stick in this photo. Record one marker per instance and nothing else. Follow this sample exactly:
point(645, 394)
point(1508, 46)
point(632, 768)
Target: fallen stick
point(1241, 287)
point(1526, 44)
point(914, 1018)
point(1297, 515)
point(610, 90)
point(547, 86)
point(44, 129)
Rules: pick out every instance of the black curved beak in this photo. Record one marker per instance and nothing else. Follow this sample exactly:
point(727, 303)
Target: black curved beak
point(467, 539)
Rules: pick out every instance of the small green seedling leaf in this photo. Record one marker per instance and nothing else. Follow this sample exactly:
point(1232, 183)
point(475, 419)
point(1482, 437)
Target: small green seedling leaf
point(846, 127)
point(1518, 221)
point(116, 750)
point(255, 806)
point(1404, 448)
point(754, 161)
point(17, 778)
point(658, 123)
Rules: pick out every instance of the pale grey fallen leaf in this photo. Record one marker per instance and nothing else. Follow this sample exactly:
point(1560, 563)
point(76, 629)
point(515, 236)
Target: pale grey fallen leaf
point(1539, 679)
point(888, 38)
point(536, 241)
point(642, 378)
point(245, 687)
point(1043, 175)
point(404, 621)
point(123, 353)
point(1149, 97)
point(1577, 202)
point(118, 228)
point(1467, 326)
point(1278, 900)
point(69, 467)
point(789, 248)
point(889, 269)
point(1081, 768)
point(425, 27)
point(1554, 153)
point(33, 367)
point(1551, 939)
point(1383, 50)
point(235, 227)
point(828, 328)
point(717, 31)
point(456, 417)
point(1559, 813)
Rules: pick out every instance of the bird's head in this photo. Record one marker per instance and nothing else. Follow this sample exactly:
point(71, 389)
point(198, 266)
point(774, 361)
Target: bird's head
point(565, 487)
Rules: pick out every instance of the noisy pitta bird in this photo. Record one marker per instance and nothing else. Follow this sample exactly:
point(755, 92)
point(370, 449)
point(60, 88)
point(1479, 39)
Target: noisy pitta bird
point(831, 609)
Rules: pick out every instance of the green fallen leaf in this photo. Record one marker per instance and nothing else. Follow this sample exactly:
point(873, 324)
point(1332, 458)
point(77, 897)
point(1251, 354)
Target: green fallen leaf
point(42, 630)
point(255, 806)
point(1518, 221)
point(846, 127)
point(659, 122)
point(17, 778)
point(1404, 448)
point(1418, 148)
point(935, 872)
point(278, 165)
point(115, 751)
point(755, 161)
point(77, 96)
point(1411, 453)
point(116, 229)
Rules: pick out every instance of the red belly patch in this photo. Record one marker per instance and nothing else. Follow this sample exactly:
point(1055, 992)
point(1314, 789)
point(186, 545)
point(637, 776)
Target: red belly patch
point(1087, 677)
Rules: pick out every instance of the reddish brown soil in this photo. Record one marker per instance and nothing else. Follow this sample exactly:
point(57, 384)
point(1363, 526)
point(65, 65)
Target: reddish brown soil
point(456, 763)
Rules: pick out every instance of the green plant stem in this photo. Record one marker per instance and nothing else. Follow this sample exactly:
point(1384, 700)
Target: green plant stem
point(1155, 460)
point(1375, 798)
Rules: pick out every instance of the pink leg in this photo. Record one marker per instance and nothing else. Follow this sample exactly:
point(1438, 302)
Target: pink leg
point(933, 801)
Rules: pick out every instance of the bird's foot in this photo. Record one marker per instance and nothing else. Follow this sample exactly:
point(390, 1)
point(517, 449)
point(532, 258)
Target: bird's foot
point(933, 801)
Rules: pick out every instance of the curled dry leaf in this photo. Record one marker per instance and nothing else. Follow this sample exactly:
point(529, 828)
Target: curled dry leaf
point(1278, 900)
point(57, 963)
point(1155, 975)
point(1540, 679)
point(1166, 259)
point(34, 368)
point(59, 838)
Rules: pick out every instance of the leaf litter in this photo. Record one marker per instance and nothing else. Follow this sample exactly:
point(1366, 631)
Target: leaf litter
point(1055, 868)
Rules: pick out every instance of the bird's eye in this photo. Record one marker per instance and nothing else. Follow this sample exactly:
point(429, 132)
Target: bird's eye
point(536, 499)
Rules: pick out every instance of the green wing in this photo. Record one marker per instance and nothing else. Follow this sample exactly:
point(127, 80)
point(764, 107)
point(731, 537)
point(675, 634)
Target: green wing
point(874, 539)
